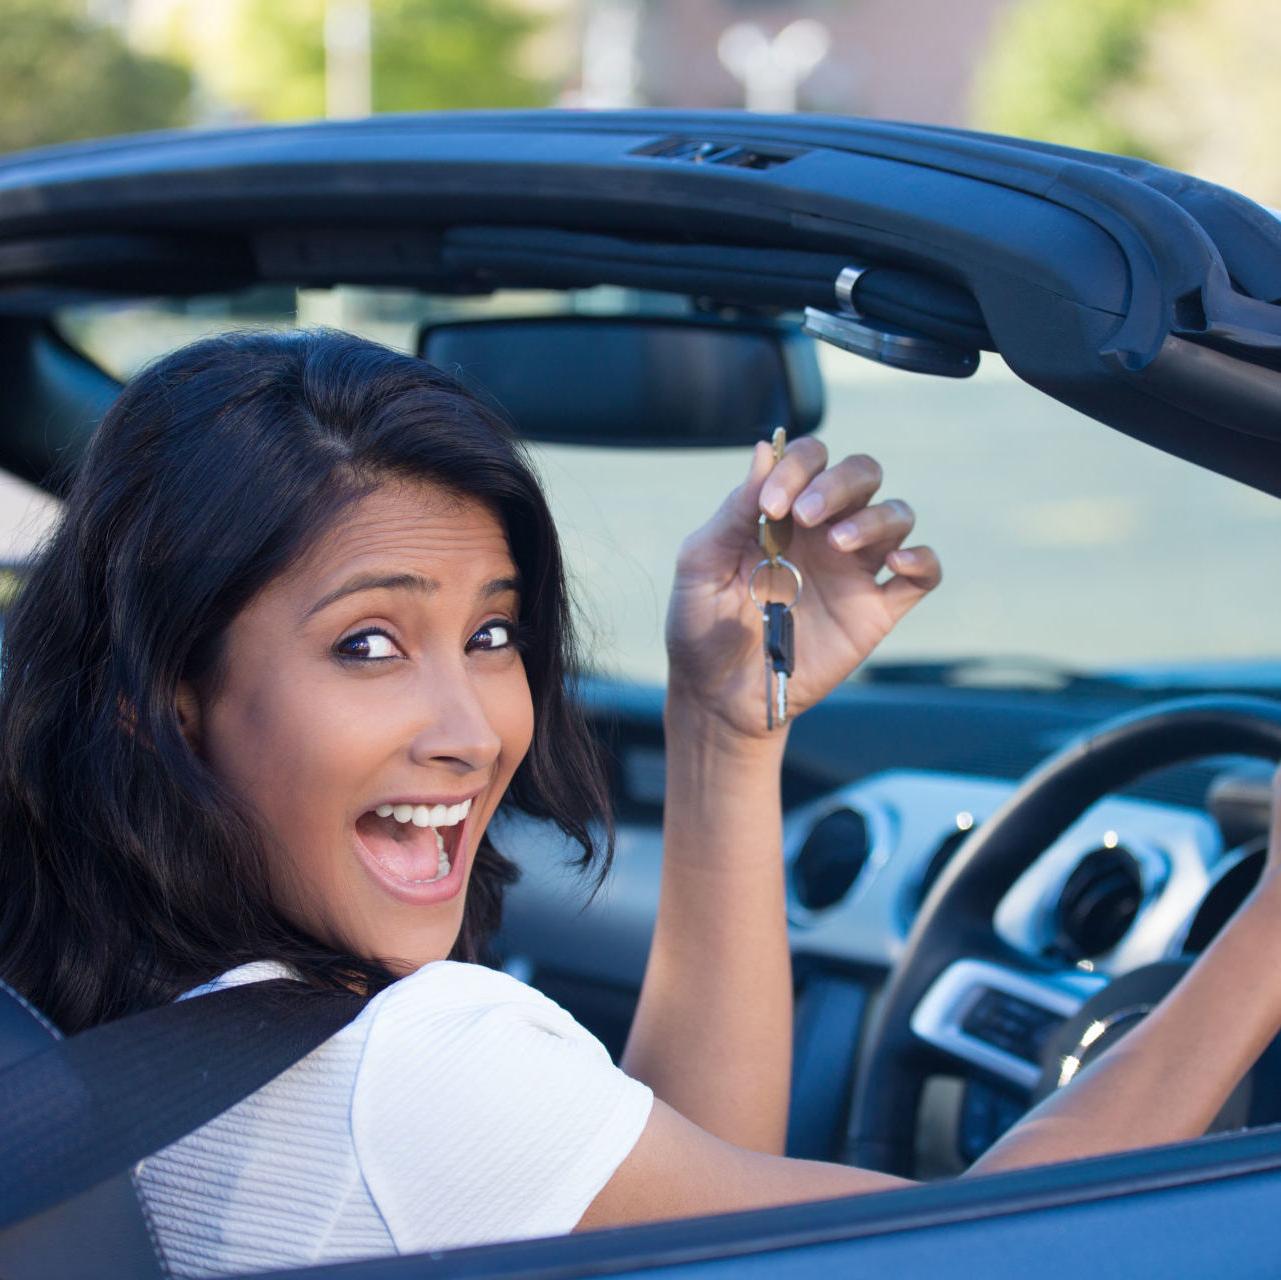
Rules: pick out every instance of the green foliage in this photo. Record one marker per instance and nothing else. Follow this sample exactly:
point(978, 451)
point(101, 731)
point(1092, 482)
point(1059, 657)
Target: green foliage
point(434, 54)
point(427, 55)
point(279, 68)
point(1054, 64)
point(65, 77)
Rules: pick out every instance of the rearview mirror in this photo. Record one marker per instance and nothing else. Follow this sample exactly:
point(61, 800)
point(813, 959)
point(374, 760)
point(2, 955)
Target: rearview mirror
point(636, 381)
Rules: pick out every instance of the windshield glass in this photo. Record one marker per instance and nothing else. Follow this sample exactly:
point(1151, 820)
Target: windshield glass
point(1062, 541)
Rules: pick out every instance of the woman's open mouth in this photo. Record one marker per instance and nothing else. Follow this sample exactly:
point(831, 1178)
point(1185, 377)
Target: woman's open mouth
point(418, 848)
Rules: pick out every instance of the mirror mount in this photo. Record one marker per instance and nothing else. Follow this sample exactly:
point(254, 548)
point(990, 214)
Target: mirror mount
point(892, 344)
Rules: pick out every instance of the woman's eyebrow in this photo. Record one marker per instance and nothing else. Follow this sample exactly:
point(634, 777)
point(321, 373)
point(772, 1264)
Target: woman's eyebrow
point(406, 582)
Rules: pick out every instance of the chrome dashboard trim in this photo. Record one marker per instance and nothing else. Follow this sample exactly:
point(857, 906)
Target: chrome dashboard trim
point(938, 1018)
point(1175, 849)
point(908, 813)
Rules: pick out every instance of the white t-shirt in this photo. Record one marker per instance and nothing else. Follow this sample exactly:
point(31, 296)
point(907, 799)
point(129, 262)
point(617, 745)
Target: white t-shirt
point(459, 1107)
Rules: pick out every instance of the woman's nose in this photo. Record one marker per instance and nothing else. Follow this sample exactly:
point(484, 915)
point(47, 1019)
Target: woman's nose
point(456, 725)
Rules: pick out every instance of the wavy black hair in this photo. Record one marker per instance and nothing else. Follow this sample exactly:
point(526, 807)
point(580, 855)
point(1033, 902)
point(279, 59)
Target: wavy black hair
point(127, 872)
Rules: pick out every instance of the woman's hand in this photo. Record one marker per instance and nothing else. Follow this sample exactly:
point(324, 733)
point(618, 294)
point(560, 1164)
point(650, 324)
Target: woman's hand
point(840, 544)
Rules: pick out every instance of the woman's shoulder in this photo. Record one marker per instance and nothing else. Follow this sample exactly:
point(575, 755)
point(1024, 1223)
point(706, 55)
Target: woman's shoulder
point(484, 1111)
point(453, 990)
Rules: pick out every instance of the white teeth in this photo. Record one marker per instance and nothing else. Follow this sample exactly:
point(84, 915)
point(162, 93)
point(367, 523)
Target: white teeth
point(426, 815)
point(435, 817)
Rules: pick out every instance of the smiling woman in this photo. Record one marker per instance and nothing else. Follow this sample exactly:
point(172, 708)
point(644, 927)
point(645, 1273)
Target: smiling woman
point(298, 542)
point(302, 630)
point(314, 719)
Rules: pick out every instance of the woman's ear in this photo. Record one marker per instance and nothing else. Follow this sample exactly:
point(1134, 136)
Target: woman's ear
point(187, 704)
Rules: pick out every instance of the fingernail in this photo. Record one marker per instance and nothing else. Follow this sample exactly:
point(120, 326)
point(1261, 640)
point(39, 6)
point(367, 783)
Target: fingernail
point(773, 501)
point(845, 536)
point(901, 558)
point(756, 453)
point(810, 507)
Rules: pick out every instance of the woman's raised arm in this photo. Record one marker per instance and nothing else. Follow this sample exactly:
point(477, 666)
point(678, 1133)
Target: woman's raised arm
point(713, 1028)
point(712, 1034)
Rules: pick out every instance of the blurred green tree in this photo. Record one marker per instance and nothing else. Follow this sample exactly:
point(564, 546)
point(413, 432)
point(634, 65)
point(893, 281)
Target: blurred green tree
point(1206, 95)
point(66, 77)
point(1053, 64)
point(426, 55)
point(1188, 83)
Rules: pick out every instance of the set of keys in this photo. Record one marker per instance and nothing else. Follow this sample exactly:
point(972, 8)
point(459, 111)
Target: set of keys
point(774, 537)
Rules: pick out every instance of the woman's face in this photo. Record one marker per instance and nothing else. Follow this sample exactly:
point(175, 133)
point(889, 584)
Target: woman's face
point(363, 693)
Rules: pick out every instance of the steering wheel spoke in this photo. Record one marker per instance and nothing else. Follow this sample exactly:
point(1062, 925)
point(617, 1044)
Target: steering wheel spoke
point(981, 1014)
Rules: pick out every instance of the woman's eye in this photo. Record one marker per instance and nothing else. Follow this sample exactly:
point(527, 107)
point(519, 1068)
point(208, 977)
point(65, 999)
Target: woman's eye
point(367, 646)
point(503, 634)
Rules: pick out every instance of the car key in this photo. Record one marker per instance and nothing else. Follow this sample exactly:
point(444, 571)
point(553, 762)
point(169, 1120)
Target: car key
point(775, 536)
point(780, 659)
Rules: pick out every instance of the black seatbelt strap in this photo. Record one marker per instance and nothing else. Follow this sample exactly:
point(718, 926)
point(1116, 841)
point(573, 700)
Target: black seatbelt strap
point(93, 1105)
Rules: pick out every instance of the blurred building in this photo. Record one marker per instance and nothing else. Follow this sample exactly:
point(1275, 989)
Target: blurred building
point(896, 59)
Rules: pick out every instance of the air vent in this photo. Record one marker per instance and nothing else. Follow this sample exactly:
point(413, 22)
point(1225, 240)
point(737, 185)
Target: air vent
point(830, 859)
point(1098, 904)
point(700, 151)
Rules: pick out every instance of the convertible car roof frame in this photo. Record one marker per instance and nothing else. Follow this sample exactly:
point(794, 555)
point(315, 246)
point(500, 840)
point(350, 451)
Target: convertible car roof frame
point(1145, 298)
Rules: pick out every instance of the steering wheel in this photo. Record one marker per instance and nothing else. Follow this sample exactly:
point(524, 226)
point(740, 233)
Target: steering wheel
point(953, 958)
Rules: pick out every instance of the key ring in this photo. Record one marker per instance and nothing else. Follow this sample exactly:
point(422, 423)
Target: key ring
point(786, 564)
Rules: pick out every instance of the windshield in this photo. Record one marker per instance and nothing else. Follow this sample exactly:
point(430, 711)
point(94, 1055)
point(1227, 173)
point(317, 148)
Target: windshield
point(1063, 542)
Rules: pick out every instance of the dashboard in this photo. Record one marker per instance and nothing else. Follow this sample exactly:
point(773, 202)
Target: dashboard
point(1137, 879)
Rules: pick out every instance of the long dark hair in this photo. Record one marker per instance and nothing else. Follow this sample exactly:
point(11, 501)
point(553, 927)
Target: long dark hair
point(127, 872)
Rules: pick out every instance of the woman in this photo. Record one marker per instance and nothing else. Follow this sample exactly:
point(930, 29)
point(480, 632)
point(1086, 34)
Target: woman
point(302, 630)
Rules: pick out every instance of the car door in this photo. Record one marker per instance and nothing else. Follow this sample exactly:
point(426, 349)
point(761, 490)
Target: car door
point(1194, 1210)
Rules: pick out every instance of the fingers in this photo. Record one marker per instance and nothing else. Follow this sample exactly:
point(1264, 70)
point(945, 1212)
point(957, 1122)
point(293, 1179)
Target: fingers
point(887, 524)
point(916, 573)
point(801, 482)
point(802, 460)
point(838, 491)
point(738, 514)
